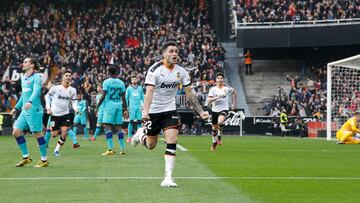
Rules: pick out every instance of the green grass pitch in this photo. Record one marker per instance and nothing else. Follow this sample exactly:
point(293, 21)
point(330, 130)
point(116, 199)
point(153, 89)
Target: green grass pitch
point(244, 169)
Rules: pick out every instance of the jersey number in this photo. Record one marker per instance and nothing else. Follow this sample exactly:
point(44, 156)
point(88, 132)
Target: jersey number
point(147, 126)
point(115, 93)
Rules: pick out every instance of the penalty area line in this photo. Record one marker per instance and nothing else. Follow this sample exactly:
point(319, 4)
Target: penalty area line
point(187, 178)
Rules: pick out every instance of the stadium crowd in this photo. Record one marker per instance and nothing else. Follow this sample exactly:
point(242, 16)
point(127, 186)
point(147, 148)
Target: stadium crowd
point(346, 92)
point(305, 98)
point(282, 10)
point(89, 38)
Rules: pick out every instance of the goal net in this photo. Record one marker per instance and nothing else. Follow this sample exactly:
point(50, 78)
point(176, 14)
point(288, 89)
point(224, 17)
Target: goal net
point(343, 92)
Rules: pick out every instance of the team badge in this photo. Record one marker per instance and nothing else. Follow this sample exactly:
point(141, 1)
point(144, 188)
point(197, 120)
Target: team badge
point(178, 75)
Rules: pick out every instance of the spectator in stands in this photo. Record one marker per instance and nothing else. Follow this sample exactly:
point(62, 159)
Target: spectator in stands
point(294, 111)
point(281, 10)
point(102, 34)
point(275, 112)
point(310, 98)
point(248, 62)
point(293, 84)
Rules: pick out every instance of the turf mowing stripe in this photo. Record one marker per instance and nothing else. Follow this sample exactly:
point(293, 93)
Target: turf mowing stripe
point(188, 178)
point(178, 146)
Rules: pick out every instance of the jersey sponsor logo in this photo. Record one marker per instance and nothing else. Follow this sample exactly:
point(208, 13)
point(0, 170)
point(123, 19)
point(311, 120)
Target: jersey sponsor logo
point(64, 98)
point(169, 86)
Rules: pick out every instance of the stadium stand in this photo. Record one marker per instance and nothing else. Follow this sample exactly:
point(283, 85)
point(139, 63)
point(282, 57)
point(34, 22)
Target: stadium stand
point(306, 96)
point(277, 11)
point(88, 38)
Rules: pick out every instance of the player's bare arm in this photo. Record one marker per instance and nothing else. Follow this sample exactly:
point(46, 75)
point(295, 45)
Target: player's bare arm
point(103, 94)
point(148, 100)
point(195, 103)
point(233, 96)
point(212, 99)
point(124, 106)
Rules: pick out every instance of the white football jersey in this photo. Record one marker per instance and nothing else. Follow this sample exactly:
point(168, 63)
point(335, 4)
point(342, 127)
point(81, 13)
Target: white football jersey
point(166, 84)
point(61, 98)
point(222, 103)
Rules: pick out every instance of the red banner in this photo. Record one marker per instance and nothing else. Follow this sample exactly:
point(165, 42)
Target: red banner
point(314, 127)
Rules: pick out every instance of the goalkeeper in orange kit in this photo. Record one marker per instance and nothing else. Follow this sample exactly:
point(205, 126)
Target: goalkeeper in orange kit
point(346, 135)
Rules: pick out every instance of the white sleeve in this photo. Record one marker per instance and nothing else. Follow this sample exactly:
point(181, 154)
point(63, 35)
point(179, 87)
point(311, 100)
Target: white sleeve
point(48, 98)
point(47, 101)
point(52, 91)
point(74, 101)
point(211, 92)
point(150, 78)
point(230, 90)
point(185, 80)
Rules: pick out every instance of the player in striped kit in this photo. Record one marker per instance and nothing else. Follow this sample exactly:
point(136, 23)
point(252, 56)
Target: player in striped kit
point(162, 81)
point(219, 97)
point(58, 101)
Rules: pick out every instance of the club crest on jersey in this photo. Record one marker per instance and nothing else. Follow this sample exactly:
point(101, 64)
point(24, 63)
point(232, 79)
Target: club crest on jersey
point(178, 75)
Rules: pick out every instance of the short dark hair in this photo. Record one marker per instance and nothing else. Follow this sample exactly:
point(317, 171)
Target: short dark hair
point(133, 75)
point(112, 71)
point(220, 74)
point(66, 71)
point(167, 44)
point(34, 61)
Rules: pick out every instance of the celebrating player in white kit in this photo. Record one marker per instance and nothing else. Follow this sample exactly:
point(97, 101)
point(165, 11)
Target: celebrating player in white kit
point(59, 108)
point(162, 81)
point(219, 97)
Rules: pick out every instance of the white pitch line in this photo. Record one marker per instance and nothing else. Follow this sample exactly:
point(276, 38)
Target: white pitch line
point(280, 150)
point(177, 145)
point(188, 178)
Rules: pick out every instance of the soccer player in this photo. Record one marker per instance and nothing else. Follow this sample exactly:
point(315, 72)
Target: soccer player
point(58, 101)
point(31, 113)
point(113, 97)
point(71, 133)
point(134, 101)
point(346, 135)
point(81, 116)
point(48, 117)
point(162, 81)
point(100, 114)
point(219, 97)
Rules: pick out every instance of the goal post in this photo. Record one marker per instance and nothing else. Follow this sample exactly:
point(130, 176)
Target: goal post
point(343, 92)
